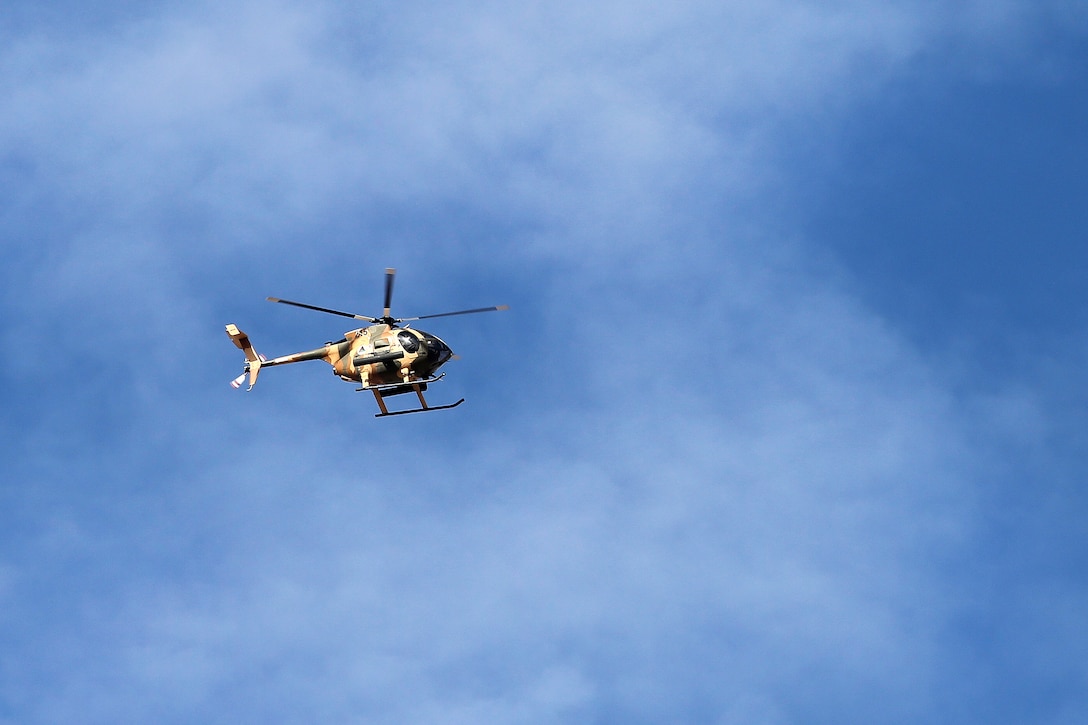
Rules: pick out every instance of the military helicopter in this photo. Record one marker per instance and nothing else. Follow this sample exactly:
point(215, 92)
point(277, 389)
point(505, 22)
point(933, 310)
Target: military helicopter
point(385, 358)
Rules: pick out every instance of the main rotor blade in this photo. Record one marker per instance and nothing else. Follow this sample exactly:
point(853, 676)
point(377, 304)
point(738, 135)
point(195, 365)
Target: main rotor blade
point(321, 309)
point(390, 273)
point(459, 312)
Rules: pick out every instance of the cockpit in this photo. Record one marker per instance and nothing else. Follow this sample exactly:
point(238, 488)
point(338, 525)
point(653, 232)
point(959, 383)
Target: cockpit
point(436, 349)
point(426, 345)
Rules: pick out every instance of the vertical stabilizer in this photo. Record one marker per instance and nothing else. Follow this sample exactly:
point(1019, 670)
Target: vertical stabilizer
point(253, 360)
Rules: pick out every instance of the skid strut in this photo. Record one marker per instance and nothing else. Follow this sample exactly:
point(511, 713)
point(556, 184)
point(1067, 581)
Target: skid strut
point(416, 386)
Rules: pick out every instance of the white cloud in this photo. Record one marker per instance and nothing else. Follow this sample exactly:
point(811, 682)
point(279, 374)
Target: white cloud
point(733, 481)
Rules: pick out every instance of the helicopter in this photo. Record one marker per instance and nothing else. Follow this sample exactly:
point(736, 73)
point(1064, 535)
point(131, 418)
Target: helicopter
point(383, 357)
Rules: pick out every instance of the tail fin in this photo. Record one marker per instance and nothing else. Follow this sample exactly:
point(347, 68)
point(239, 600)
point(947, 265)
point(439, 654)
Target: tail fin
point(253, 360)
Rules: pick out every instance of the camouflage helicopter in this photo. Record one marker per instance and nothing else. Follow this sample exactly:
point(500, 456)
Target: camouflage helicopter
point(385, 358)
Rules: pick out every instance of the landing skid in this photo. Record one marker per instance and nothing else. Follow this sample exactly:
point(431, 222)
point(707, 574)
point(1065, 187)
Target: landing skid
point(416, 386)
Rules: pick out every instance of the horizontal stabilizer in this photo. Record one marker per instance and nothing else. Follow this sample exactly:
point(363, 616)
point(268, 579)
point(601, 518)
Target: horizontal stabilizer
point(241, 341)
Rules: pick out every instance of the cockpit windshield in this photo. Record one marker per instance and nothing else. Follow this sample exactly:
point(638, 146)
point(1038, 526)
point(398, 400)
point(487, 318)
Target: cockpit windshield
point(437, 349)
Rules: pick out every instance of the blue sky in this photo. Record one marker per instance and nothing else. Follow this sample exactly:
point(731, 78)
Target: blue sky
point(784, 424)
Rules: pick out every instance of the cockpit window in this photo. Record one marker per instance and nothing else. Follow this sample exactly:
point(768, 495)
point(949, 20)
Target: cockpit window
point(408, 341)
point(437, 349)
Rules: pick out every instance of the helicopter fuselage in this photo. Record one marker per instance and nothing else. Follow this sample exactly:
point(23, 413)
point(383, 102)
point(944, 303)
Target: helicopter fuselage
point(378, 355)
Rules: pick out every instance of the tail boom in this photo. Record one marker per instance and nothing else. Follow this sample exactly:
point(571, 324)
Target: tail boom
point(255, 361)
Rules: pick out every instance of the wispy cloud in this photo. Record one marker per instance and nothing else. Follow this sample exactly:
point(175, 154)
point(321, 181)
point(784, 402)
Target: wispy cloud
point(720, 487)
